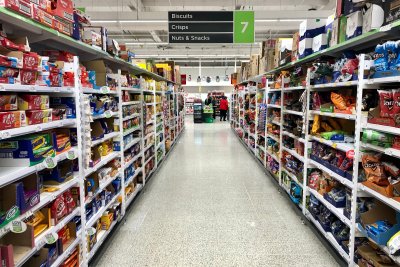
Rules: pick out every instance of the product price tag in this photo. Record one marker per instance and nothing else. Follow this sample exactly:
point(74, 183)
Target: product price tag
point(104, 90)
point(49, 163)
point(51, 238)
point(108, 114)
point(18, 227)
point(334, 145)
point(71, 154)
point(91, 231)
point(386, 28)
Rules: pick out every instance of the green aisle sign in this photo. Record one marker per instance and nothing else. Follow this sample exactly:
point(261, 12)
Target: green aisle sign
point(243, 30)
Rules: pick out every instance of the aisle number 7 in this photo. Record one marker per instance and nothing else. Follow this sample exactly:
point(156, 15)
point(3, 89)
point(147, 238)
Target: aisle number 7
point(243, 30)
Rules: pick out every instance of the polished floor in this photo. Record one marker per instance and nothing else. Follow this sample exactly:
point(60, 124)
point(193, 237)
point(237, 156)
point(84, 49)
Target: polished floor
point(211, 205)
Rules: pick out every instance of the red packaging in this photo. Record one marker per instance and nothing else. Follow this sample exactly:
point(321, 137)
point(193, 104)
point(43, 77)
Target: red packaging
point(33, 102)
point(63, 26)
point(38, 116)
point(386, 103)
point(56, 55)
point(20, 44)
point(8, 80)
point(12, 119)
point(55, 79)
point(8, 62)
point(42, 4)
point(59, 114)
point(69, 201)
point(28, 77)
point(8, 102)
point(396, 102)
point(43, 17)
point(21, 6)
point(30, 61)
point(69, 79)
point(58, 209)
point(63, 9)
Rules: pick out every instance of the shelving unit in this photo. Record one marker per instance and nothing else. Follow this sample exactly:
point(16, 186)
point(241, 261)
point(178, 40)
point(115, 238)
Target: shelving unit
point(357, 118)
point(117, 146)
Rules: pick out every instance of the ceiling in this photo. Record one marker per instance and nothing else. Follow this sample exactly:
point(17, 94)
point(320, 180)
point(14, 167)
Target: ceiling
point(143, 24)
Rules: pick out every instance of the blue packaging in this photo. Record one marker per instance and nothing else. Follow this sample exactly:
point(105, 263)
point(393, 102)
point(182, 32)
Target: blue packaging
point(381, 58)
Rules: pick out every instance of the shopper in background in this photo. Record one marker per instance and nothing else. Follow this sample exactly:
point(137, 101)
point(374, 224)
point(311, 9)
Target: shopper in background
point(214, 103)
point(223, 108)
point(208, 100)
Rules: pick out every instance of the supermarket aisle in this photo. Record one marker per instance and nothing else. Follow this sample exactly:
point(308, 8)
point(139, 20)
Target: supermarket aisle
point(211, 205)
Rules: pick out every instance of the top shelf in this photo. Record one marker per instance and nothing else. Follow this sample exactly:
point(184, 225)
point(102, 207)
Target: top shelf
point(51, 39)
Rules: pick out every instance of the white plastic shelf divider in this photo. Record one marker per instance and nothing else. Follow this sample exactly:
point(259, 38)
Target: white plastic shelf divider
point(291, 89)
point(341, 179)
point(131, 90)
point(382, 128)
point(391, 79)
point(148, 160)
point(132, 143)
point(105, 115)
point(334, 85)
point(337, 211)
point(340, 146)
point(4, 134)
point(129, 163)
point(276, 123)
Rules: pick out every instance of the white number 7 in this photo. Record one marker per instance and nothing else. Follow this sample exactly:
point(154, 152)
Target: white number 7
point(245, 24)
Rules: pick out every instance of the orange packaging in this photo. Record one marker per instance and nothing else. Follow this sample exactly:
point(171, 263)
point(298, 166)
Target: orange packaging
point(12, 119)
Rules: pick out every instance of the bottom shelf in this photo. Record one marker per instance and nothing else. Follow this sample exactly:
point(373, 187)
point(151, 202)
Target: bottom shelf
point(101, 236)
point(329, 237)
point(130, 198)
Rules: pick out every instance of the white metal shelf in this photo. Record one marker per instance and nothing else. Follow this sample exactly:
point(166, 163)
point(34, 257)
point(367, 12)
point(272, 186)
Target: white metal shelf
point(334, 85)
point(272, 155)
point(293, 153)
point(131, 130)
point(340, 146)
point(128, 103)
point(382, 128)
point(19, 88)
point(298, 113)
point(275, 138)
point(104, 160)
point(68, 251)
point(273, 106)
point(137, 171)
point(296, 88)
point(101, 236)
point(292, 176)
point(102, 91)
point(133, 194)
point(45, 198)
point(131, 117)
point(106, 114)
point(11, 174)
point(377, 81)
point(102, 186)
point(131, 90)
point(105, 138)
point(341, 179)
point(148, 160)
point(130, 162)
point(4, 134)
point(330, 238)
point(100, 212)
point(388, 151)
point(148, 147)
point(334, 115)
point(293, 136)
point(337, 211)
point(276, 123)
point(132, 143)
point(388, 201)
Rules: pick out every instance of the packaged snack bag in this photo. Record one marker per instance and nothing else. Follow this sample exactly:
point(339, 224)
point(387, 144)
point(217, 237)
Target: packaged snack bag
point(386, 103)
point(374, 170)
point(339, 101)
point(381, 58)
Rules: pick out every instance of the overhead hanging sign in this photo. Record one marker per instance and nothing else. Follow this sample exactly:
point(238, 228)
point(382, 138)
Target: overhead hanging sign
point(211, 26)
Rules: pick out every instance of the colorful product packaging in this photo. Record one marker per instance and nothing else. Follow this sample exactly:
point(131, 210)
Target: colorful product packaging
point(8, 102)
point(33, 102)
point(39, 116)
point(12, 119)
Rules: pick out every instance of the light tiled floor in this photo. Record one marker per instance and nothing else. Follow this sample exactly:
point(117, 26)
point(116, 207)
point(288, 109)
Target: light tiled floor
point(211, 205)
